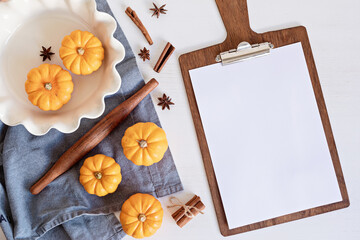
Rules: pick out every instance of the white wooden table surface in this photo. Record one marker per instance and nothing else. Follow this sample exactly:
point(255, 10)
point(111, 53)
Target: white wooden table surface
point(333, 28)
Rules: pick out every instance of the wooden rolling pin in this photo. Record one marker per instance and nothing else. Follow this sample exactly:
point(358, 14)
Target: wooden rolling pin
point(93, 137)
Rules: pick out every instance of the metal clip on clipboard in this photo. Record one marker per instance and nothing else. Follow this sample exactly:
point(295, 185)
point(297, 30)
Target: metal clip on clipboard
point(243, 52)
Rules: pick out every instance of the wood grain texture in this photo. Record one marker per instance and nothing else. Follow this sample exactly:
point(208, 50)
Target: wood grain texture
point(234, 14)
point(92, 138)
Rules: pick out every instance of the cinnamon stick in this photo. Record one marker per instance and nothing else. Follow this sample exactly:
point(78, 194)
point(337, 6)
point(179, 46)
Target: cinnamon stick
point(164, 57)
point(93, 137)
point(134, 17)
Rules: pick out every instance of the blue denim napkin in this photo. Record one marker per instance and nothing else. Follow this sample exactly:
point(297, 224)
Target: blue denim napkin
point(64, 210)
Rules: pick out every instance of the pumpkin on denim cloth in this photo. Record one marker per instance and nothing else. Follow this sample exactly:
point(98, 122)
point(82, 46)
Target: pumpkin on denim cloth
point(144, 143)
point(100, 175)
point(141, 215)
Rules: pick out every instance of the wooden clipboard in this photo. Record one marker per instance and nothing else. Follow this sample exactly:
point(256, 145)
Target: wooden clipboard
point(235, 17)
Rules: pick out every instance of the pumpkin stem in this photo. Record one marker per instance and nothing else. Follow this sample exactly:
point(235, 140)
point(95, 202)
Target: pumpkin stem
point(142, 143)
point(80, 51)
point(142, 217)
point(48, 86)
point(98, 175)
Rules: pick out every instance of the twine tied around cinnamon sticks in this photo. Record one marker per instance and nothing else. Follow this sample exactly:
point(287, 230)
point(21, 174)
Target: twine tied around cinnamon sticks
point(187, 211)
point(187, 208)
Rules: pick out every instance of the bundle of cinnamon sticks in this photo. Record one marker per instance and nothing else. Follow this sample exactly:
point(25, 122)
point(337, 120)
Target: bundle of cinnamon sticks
point(182, 217)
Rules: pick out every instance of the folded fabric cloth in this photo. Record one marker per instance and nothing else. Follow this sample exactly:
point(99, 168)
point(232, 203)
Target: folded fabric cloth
point(64, 210)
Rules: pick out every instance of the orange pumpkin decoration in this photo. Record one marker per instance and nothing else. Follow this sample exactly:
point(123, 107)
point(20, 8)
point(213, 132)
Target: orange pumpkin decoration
point(141, 215)
point(144, 143)
point(100, 175)
point(49, 87)
point(82, 53)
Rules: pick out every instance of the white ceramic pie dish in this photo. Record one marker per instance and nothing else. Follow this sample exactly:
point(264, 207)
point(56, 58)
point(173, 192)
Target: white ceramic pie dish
point(26, 26)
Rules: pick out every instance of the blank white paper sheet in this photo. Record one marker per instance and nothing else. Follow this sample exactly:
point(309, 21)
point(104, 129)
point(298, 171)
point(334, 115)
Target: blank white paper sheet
point(265, 136)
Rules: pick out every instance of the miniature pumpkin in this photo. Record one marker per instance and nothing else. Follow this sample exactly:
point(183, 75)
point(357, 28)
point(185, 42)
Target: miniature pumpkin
point(144, 143)
point(49, 87)
point(100, 175)
point(141, 215)
point(82, 53)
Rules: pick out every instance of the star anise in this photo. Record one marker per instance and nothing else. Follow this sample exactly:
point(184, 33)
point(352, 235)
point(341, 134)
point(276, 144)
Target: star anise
point(158, 10)
point(165, 102)
point(46, 53)
point(144, 54)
